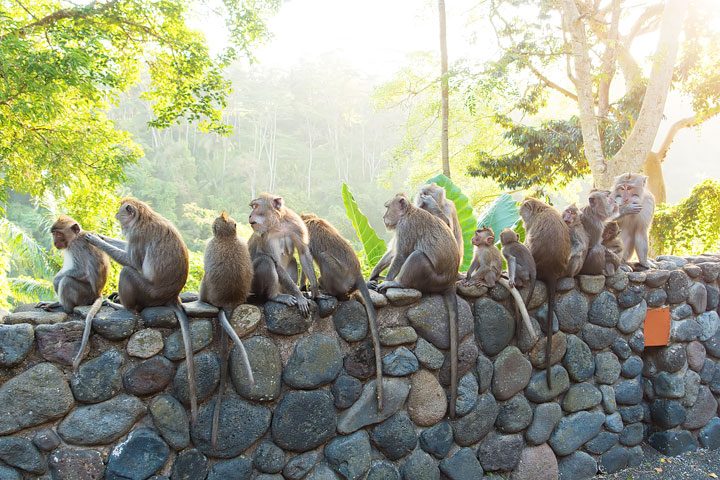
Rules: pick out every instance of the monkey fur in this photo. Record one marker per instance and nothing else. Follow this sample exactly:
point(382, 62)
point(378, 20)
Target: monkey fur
point(630, 189)
point(613, 248)
point(579, 240)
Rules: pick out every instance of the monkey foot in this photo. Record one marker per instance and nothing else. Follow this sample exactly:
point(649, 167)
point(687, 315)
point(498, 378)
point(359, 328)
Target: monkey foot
point(387, 285)
point(286, 299)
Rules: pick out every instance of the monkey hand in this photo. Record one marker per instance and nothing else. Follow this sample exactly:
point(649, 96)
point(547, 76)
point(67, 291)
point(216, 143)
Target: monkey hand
point(631, 209)
point(372, 284)
point(387, 285)
point(303, 305)
point(92, 238)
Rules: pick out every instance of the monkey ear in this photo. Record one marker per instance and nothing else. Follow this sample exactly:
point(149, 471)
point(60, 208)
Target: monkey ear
point(278, 202)
point(644, 180)
point(491, 240)
point(75, 228)
point(403, 202)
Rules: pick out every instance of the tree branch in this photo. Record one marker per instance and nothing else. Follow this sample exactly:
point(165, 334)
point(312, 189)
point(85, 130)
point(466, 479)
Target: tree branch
point(89, 10)
point(645, 23)
point(609, 58)
point(681, 124)
point(550, 83)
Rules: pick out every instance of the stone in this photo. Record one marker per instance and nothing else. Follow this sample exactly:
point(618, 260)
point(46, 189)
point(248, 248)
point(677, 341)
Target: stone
point(171, 421)
point(16, 341)
point(632, 435)
point(678, 285)
point(349, 455)
point(98, 379)
point(360, 360)
point(512, 373)
point(607, 368)
point(201, 334)
point(402, 296)
point(471, 428)
point(75, 464)
point(681, 312)
point(632, 367)
point(149, 376)
point(637, 342)
point(382, 470)
point(145, 343)
point(437, 440)
point(284, 319)
point(316, 360)
point(266, 365)
point(119, 325)
point(603, 442)
point(420, 466)
point(463, 465)
point(484, 370)
point(46, 440)
point(708, 371)
point(526, 339)
point(378, 299)
point(207, 378)
point(537, 390)
point(655, 297)
point(322, 472)
point(578, 359)
point(159, 317)
point(692, 388)
point(572, 311)
point(545, 419)
point(20, 453)
point(498, 293)
point(557, 349)
point(704, 409)
point(710, 270)
point(712, 345)
point(628, 392)
point(597, 337)
point(427, 402)
point(430, 320)
point(567, 283)
point(269, 458)
point(604, 310)
point(428, 356)
point(189, 465)
point(575, 430)
point(713, 297)
point(667, 413)
point(608, 398)
point(536, 463)
point(632, 318)
point(400, 363)
point(621, 348)
point(351, 321)
point(671, 358)
point(35, 317)
point(34, 397)
point(614, 459)
point(245, 319)
point(515, 415)
point(500, 452)
point(581, 396)
point(697, 297)
point(494, 326)
point(241, 424)
point(619, 281)
point(592, 284)
point(637, 277)
point(467, 356)
point(197, 309)
point(299, 466)
point(60, 342)
point(709, 435)
point(467, 394)
point(471, 291)
point(632, 414)
point(673, 442)
point(101, 423)
point(539, 296)
point(395, 437)
point(577, 466)
point(394, 336)
point(239, 468)
point(365, 412)
point(668, 385)
point(141, 443)
point(305, 420)
point(685, 330)
point(656, 278)
point(541, 315)
point(327, 306)
point(346, 390)
point(631, 296)
point(709, 323)
point(614, 422)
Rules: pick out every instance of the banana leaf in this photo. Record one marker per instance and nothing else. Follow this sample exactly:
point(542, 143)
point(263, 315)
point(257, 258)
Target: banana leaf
point(373, 246)
point(503, 213)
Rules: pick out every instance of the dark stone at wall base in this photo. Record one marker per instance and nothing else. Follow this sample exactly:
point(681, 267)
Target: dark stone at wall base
point(574, 430)
point(349, 455)
point(351, 321)
point(346, 390)
point(614, 421)
point(632, 435)
point(629, 392)
point(577, 466)
point(266, 365)
point(515, 415)
point(669, 385)
point(437, 439)
point(171, 420)
point(315, 361)
point(704, 409)
point(603, 442)
point(269, 458)
point(546, 417)
point(141, 443)
point(303, 420)
point(475, 425)
point(667, 413)
point(500, 452)
point(382, 470)
point(420, 466)
point(207, 377)
point(613, 460)
point(322, 472)
point(673, 442)
point(149, 376)
point(300, 465)
point(101, 423)
point(287, 320)
point(20, 453)
point(709, 435)
point(239, 468)
point(464, 465)
point(632, 414)
point(395, 437)
point(98, 379)
point(46, 440)
point(16, 341)
point(189, 465)
point(75, 464)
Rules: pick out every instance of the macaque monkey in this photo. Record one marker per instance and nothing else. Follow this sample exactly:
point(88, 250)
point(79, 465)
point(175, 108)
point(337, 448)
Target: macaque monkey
point(226, 284)
point(82, 277)
point(340, 275)
point(277, 233)
point(486, 270)
point(425, 258)
point(155, 268)
point(579, 240)
point(548, 239)
point(630, 190)
point(521, 264)
point(613, 248)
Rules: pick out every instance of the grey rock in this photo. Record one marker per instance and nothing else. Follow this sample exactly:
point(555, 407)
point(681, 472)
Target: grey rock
point(614, 422)
point(382, 470)
point(537, 390)
point(558, 348)
point(685, 330)
point(300, 465)
point(709, 323)
point(572, 311)
point(364, 411)
point(199, 309)
point(328, 306)
point(608, 398)
point(546, 417)
point(604, 310)
point(708, 371)
point(656, 297)
point(621, 348)
point(346, 390)
point(20, 453)
point(400, 363)
point(467, 356)
point(16, 341)
point(403, 296)
point(574, 430)
point(430, 320)
point(692, 388)
point(119, 325)
point(632, 414)
point(189, 465)
point(581, 396)
point(75, 464)
point(437, 439)
point(637, 342)
point(101, 423)
point(467, 394)
point(494, 326)
point(500, 452)
point(673, 442)
point(713, 297)
point(287, 320)
point(420, 466)
point(678, 285)
point(207, 377)
point(628, 392)
point(35, 396)
point(710, 270)
point(568, 283)
point(171, 420)
point(59, 343)
point(695, 352)
point(512, 373)
point(484, 370)
point(304, 420)
point(394, 336)
point(35, 317)
point(360, 360)
point(619, 281)
point(463, 465)
point(592, 284)
point(269, 458)
point(709, 435)
point(429, 356)
point(631, 296)
point(637, 277)
point(322, 472)
point(316, 360)
point(476, 424)
point(598, 337)
point(669, 385)
point(615, 459)
point(351, 321)
point(266, 365)
point(46, 440)
point(632, 318)
point(681, 312)
point(145, 343)
point(201, 334)
point(697, 297)
point(632, 435)
point(159, 317)
point(349, 455)
point(239, 468)
point(99, 379)
point(704, 409)
point(395, 437)
point(149, 376)
point(632, 367)
point(541, 315)
point(515, 415)
point(712, 345)
point(526, 339)
point(607, 368)
point(656, 278)
point(141, 443)
point(602, 443)
point(578, 360)
point(671, 358)
point(667, 413)
point(577, 466)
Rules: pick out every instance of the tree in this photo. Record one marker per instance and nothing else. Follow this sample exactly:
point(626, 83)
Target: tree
point(444, 95)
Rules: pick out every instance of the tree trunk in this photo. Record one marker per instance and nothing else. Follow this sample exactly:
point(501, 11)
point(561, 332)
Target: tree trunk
point(444, 94)
point(656, 180)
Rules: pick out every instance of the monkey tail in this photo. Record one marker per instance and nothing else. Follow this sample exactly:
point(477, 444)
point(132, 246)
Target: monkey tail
point(451, 302)
point(94, 309)
point(519, 306)
point(551, 287)
point(372, 322)
point(223, 316)
point(531, 290)
point(189, 360)
point(221, 389)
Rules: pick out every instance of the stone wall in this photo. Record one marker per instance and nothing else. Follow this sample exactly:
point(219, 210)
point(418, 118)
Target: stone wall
point(312, 414)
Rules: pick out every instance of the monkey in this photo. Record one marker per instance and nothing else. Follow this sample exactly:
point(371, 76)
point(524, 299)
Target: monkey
point(82, 277)
point(155, 268)
point(340, 275)
point(486, 270)
point(426, 259)
point(613, 248)
point(579, 240)
point(226, 284)
point(521, 264)
point(548, 239)
point(630, 189)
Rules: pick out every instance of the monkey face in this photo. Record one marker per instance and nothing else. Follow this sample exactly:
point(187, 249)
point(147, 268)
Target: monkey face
point(224, 226)
point(629, 187)
point(396, 209)
point(64, 231)
point(570, 215)
point(602, 204)
point(508, 236)
point(265, 213)
point(483, 237)
point(611, 231)
point(127, 214)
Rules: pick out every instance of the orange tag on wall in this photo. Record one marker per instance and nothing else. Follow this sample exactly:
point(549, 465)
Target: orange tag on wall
point(657, 327)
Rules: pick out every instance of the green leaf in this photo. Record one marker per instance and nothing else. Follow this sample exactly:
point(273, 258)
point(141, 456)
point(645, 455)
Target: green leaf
point(373, 246)
point(503, 213)
point(465, 214)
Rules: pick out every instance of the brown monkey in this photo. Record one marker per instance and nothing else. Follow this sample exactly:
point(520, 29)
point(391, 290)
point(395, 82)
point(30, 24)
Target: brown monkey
point(579, 239)
point(521, 264)
point(613, 248)
point(226, 284)
point(155, 268)
point(82, 277)
point(548, 239)
point(630, 190)
point(340, 275)
point(426, 259)
point(277, 233)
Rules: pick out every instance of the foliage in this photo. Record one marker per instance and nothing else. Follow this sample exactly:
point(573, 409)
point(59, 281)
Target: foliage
point(373, 246)
point(692, 226)
point(502, 214)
